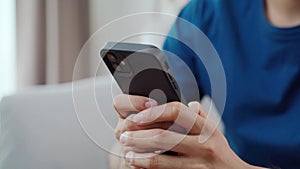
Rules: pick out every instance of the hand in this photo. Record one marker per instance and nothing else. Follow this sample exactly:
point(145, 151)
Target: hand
point(213, 153)
point(126, 106)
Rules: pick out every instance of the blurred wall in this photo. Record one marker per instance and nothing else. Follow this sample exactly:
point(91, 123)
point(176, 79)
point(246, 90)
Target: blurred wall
point(103, 12)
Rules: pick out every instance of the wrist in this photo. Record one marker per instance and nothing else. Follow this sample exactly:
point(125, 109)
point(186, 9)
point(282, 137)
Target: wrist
point(239, 163)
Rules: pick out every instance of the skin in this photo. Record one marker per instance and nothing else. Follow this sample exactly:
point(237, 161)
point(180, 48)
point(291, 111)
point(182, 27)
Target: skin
point(142, 139)
point(142, 145)
point(283, 13)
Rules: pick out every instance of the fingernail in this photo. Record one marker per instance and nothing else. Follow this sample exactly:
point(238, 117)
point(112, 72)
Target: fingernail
point(124, 137)
point(150, 103)
point(138, 118)
point(129, 157)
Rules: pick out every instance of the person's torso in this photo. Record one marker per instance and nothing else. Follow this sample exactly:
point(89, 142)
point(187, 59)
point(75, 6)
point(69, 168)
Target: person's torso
point(262, 67)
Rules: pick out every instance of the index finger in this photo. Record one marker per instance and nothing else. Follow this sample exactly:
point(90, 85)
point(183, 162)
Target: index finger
point(125, 104)
point(171, 112)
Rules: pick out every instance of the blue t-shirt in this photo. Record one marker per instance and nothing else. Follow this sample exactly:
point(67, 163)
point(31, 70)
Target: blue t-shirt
point(262, 68)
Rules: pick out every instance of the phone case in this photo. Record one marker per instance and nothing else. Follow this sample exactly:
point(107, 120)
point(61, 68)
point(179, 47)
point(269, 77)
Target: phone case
point(141, 70)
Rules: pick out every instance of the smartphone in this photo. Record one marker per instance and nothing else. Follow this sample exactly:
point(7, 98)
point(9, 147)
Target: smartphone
point(141, 69)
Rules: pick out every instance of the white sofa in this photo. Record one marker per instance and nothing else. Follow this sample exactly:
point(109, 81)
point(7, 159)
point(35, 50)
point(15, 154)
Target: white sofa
point(67, 126)
point(40, 128)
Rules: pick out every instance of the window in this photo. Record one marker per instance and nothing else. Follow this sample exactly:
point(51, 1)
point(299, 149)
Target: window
point(7, 47)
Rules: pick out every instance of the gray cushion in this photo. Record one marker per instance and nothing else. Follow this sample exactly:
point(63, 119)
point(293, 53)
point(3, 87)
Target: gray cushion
point(40, 128)
point(61, 126)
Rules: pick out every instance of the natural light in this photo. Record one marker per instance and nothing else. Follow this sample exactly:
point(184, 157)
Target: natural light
point(7, 48)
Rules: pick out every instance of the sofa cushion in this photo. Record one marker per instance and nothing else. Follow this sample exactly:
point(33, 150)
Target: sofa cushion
point(51, 127)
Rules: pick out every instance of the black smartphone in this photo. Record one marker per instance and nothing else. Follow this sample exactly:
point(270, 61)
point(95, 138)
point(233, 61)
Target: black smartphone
point(141, 69)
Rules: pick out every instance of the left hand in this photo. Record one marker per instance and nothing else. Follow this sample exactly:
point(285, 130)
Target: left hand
point(214, 153)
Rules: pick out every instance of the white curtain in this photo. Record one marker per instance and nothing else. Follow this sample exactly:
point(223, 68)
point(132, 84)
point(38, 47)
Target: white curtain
point(51, 33)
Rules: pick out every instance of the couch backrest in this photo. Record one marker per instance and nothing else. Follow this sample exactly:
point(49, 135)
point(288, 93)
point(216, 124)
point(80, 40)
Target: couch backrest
point(51, 127)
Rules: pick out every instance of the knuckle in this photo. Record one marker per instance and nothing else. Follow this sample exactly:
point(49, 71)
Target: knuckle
point(175, 107)
point(199, 166)
point(159, 136)
point(126, 149)
point(130, 117)
point(158, 132)
point(118, 129)
point(129, 138)
point(117, 133)
point(117, 100)
point(210, 148)
point(152, 162)
point(150, 116)
point(128, 124)
point(138, 104)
